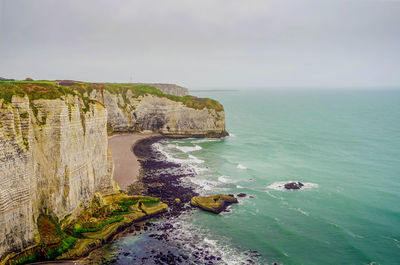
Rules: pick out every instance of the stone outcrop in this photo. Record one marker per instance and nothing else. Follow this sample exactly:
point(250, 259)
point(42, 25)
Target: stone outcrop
point(53, 158)
point(171, 89)
point(215, 204)
point(127, 113)
point(293, 185)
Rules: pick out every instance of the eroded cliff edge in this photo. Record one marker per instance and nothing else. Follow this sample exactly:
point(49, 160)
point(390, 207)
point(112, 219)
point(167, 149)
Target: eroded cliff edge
point(54, 156)
point(138, 108)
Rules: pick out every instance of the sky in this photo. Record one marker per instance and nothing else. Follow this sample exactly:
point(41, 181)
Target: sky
point(205, 44)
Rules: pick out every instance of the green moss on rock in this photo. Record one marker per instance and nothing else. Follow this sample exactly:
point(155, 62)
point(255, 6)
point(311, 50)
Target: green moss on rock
point(215, 204)
point(95, 226)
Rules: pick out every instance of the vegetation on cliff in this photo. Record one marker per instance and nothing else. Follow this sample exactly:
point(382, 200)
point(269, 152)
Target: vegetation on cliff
point(38, 90)
point(75, 237)
point(57, 89)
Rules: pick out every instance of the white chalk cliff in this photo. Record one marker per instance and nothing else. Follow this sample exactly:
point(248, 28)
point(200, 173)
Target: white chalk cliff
point(54, 152)
point(50, 162)
point(160, 114)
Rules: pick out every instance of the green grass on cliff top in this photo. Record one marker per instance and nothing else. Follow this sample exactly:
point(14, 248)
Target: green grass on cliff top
point(50, 90)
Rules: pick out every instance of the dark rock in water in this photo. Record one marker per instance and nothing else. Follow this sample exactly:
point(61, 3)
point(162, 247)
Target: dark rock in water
point(294, 185)
point(215, 204)
point(241, 195)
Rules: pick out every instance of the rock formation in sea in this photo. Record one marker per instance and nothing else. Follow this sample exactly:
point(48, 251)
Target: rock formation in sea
point(293, 185)
point(215, 203)
point(54, 157)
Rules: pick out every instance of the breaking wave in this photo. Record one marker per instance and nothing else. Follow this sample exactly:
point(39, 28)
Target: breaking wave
point(187, 149)
point(224, 179)
point(240, 166)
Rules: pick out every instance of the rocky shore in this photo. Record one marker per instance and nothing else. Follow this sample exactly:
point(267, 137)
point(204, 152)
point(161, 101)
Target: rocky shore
point(164, 240)
point(160, 178)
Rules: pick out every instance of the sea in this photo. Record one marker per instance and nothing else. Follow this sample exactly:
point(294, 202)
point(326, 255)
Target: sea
point(343, 145)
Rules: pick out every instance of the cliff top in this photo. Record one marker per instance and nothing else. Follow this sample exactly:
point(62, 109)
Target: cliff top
point(44, 89)
point(172, 89)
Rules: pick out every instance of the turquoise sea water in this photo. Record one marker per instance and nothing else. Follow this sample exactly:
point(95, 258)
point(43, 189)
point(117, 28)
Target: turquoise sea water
point(344, 145)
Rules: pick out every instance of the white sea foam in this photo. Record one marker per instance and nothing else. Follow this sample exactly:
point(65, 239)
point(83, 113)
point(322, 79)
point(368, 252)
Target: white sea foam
point(199, 169)
point(280, 185)
point(300, 211)
point(194, 159)
point(187, 149)
point(190, 165)
point(240, 166)
point(191, 159)
point(219, 246)
point(171, 145)
point(232, 135)
point(224, 179)
point(201, 184)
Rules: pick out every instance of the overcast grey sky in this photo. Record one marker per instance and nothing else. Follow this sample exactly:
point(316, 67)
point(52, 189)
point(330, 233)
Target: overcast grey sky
point(204, 43)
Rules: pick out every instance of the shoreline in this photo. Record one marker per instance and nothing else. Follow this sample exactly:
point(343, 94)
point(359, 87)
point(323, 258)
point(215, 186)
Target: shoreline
point(126, 165)
point(170, 238)
point(159, 182)
point(164, 186)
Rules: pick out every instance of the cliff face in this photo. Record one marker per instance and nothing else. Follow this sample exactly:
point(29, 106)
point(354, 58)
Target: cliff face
point(53, 158)
point(161, 114)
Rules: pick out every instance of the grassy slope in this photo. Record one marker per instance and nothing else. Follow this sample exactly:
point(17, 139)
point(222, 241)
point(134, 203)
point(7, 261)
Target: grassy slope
point(79, 236)
point(50, 90)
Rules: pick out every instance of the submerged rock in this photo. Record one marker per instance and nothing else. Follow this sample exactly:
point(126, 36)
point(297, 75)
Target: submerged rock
point(241, 195)
point(293, 185)
point(215, 204)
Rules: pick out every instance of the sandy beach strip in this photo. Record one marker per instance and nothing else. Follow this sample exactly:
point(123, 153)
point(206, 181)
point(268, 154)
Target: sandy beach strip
point(127, 167)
